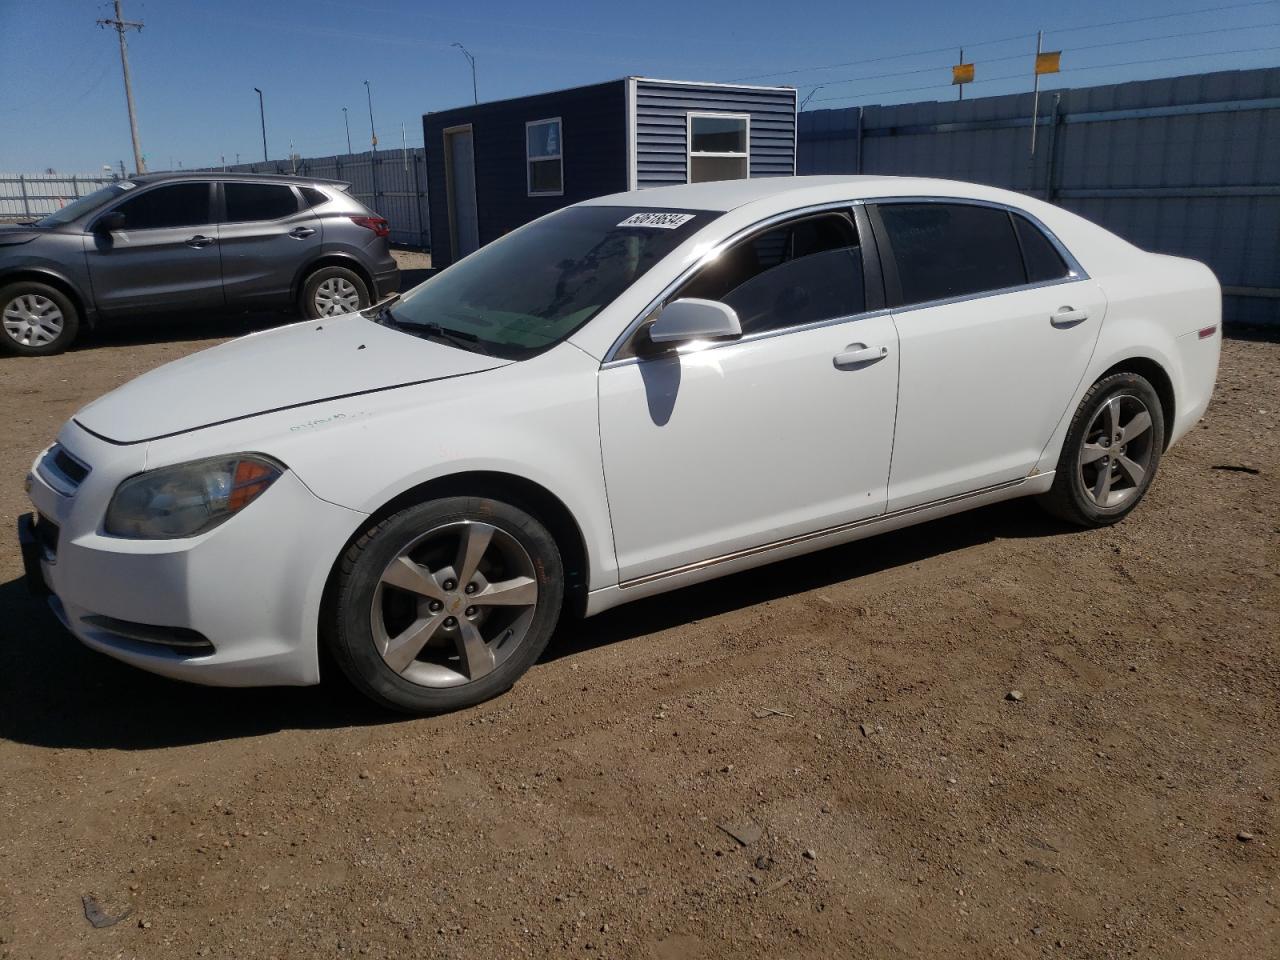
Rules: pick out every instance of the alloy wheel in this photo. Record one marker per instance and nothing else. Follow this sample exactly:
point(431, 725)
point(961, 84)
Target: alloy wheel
point(336, 295)
point(1116, 453)
point(454, 604)
point(32, 320)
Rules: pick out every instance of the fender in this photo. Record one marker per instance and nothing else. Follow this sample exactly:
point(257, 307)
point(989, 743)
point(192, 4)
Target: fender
point(36, 268)
point(329, 256)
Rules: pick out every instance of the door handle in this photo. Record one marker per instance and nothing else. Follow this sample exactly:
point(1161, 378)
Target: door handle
point(1068, 317)
point(199, 240)
point(859, 355)
point(301, 233)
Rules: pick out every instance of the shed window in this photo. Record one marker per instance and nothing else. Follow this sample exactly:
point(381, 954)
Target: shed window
point(545, 160)
point(718, 146)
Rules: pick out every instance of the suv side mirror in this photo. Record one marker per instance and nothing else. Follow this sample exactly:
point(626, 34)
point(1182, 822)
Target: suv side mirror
point(691, 318)
point(109, 222)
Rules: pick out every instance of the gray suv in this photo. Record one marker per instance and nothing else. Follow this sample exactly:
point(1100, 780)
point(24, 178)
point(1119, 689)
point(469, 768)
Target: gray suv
point(185, 242)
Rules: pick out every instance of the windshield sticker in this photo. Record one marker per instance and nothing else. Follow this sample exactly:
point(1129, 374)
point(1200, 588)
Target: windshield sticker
point(125, 184)
point(658, 221)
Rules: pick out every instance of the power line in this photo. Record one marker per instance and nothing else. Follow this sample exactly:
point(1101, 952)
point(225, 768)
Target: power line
point(1020, 74)
point(1073, 50)
point(1021, 36)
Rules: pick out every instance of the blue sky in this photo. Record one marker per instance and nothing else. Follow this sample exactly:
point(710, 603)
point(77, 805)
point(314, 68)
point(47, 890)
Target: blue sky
point(197, 61)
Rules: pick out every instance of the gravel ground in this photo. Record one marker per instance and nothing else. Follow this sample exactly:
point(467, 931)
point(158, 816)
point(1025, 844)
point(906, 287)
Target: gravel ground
point(847, 715)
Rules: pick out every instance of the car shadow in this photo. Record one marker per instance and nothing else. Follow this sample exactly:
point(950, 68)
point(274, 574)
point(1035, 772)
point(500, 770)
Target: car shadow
point(59, 694)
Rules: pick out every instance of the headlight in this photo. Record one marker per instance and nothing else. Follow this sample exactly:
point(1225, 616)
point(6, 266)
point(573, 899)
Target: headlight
point(189, 498)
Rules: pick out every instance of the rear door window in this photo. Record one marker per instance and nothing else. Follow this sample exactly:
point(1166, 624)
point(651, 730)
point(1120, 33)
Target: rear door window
point(944, 250)
point(801, 272)
point(247, 202)
point(174, 205)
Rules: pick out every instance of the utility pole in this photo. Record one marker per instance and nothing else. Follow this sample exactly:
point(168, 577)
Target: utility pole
point(120, 25)
point(373, 136)
point(472, 60)
point(347, 123)
point(262, 115)
point(1035, 100)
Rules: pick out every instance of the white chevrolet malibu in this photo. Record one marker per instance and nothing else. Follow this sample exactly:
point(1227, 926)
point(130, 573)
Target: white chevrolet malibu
point(624, 397)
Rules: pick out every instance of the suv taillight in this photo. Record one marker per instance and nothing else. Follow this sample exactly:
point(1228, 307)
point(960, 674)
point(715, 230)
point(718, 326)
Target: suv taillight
point(379, 226)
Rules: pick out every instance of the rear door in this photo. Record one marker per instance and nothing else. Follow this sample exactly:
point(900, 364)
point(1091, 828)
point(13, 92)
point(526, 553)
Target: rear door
point(164, 257)
point(265, 237)
point(997, 324)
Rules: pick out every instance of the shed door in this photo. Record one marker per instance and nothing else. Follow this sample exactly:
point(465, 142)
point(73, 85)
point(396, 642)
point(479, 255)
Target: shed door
point(460, 174)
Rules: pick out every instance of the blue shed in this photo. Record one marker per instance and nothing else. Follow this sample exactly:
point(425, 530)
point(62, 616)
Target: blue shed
point(494, 166)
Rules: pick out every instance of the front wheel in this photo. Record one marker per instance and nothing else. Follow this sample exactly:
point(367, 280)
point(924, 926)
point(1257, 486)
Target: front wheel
point(36, 319)
point(333, 291)
point(1111, 452)
point(445, 604)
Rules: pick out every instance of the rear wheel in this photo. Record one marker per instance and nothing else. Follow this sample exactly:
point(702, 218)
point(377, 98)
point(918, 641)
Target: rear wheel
point(1111, 452)
point(445, 604)
point(332, 291)
point(36, 319)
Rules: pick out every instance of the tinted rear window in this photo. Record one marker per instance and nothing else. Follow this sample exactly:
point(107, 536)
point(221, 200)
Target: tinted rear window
point(313, 197)
point(951, 249)
point(259, 201)
point(1042, 258)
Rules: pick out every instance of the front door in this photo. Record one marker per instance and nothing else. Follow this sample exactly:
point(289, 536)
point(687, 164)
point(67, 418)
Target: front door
point(460, 183)
point(784, 432)
point(265, 235)
point(997, 328)
point(164, 257)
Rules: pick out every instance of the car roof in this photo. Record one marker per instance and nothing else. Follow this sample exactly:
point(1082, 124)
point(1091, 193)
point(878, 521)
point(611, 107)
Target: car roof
point(147, 178)
point(726, 195)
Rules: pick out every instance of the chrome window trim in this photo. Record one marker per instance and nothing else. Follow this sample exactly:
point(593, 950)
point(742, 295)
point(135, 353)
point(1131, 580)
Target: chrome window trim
point(611, 355)
point(1075, 271)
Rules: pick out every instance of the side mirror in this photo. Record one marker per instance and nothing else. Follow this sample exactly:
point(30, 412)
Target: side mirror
point(109, 222)
point(693, 319)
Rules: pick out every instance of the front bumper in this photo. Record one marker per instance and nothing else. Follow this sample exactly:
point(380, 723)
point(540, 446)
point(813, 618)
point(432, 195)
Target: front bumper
point(251, 588)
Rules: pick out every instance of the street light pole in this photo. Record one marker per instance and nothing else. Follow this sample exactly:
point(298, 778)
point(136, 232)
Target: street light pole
point(472, 60)
point(262, 115)
point(373, 135)
point(347, 123)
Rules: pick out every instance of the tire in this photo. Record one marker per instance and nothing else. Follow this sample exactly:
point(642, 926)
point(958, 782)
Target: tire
point(404, 633)
point(331, 292)
point(36, 320)
point(1121, 413)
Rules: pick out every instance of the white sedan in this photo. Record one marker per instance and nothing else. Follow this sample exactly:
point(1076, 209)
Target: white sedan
point(626, 396)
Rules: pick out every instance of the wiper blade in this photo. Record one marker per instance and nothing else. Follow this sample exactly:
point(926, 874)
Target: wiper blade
point(456, 338)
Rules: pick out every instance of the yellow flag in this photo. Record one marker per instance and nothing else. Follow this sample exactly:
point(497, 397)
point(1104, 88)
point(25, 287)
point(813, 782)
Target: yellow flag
point(1049, 62)
point(962, 73)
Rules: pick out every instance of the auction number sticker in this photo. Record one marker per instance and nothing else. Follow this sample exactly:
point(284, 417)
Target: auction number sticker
point(659, 221)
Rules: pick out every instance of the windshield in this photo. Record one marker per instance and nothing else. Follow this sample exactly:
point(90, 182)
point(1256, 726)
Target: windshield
point(77, 208)
point(529, 290)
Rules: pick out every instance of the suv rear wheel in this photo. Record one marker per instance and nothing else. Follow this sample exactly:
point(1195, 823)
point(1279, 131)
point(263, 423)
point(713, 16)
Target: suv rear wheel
point(36, 319)
point(331, 291)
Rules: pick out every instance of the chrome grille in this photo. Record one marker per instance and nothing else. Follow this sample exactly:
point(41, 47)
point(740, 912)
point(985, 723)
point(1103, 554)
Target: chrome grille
point(63, 471)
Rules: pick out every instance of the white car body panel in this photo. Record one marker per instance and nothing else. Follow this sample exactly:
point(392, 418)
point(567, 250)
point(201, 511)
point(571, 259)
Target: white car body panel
point(736, 444)
point(673, 471)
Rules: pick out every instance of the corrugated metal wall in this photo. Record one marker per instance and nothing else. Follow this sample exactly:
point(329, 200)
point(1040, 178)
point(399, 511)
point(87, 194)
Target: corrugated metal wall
point(391, 182)
point(662, 134)
point(1184, 165)
point(26, 196)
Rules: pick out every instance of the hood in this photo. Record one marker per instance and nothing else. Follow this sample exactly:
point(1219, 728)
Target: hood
point(15, 233)
point(289, 367)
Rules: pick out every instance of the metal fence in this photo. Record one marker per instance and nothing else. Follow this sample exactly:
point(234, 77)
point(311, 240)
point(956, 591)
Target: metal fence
point(27, 196)
point(391, 182)
point(1186, 165)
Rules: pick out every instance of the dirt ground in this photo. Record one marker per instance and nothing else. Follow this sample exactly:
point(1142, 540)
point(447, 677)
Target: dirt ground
point(846, 714)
